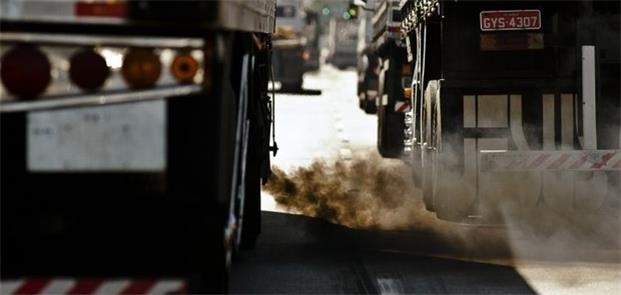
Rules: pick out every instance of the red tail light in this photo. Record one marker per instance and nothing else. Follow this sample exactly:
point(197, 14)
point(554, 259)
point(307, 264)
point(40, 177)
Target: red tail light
point(141, 68)
point(184, 68)
point(88, 70)
point(25, 71)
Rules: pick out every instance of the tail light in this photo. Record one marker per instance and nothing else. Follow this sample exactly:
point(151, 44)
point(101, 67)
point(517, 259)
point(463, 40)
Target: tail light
point(25, 71)
point(72, 70)
point(88, 70)
point(141, 68)
point(184, 68)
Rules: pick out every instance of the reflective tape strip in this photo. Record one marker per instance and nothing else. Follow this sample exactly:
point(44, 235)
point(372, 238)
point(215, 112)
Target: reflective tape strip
point(169, 287)
point(582, 160)
point(604, 160)
point(32, 286)
point(92, 286)
point(538, 161)
point(61, 286)
point(560, 161)
point(87, 286)
point(138, 287)
point(402, 106)
point(9, 287)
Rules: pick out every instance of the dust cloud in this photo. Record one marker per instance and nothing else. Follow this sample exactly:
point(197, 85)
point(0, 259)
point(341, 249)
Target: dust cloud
point(373, 194)
point(366, 192)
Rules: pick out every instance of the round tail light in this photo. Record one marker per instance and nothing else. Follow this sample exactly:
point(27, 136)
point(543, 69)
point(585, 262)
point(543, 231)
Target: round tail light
point(25, 71)
point(184, 68)
point(141, 68)
point(88, 70)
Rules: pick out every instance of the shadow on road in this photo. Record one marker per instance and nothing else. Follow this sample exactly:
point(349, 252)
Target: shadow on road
point(297, 254)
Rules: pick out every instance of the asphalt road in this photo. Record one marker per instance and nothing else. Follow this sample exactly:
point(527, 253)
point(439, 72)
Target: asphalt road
point(301, 254)
point(298, 254)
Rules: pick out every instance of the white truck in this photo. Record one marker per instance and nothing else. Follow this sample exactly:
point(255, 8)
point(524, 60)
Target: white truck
point(134, 137)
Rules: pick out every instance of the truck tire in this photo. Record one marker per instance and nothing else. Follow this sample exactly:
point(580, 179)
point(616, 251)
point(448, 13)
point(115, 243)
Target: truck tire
point(252, 213)
point(436, 168)
point(370, 107)
point(251, 227)
point(429, 154)
point(389, 123)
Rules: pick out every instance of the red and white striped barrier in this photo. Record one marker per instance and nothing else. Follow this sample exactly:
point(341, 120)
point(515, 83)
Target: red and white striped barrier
point(402, 106)
point(92, 286)
point(580, 160)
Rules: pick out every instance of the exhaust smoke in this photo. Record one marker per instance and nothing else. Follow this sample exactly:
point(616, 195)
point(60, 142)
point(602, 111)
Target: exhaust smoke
point(371, 193)
point(365, 193)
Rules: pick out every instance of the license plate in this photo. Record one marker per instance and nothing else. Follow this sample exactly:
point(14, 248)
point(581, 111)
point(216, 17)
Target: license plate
point(125, 137)
point(510, 20)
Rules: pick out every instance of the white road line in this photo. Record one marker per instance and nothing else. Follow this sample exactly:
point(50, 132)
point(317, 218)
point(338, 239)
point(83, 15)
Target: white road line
point(345, 154)
point(339, 126)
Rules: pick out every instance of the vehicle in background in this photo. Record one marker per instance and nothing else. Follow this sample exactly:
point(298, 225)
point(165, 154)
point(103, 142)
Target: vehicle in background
point(394, 75)
point(342, 42)
point(312, 33)
point(289, 44)
point(135, 135)
point(368, 61)
point(515, 107)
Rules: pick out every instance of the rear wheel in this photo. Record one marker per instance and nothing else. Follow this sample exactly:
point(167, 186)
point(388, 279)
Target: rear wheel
point(442, 186)
point(370, 107)
point(389, 123)
point(429, 154)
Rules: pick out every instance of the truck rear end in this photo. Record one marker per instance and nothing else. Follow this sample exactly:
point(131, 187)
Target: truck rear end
point(515, 106)
point(134, 137)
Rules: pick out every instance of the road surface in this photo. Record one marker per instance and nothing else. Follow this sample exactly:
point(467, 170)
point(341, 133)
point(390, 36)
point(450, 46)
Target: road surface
point(301, 254)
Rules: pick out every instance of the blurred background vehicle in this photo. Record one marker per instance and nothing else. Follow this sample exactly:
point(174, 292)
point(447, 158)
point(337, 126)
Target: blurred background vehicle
point(290, 45)
point(342, 42)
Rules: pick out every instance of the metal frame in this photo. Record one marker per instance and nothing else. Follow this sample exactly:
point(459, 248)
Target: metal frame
point(98, 99)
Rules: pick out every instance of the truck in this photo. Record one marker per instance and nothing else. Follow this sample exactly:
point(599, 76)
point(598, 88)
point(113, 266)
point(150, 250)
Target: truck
point(394, 75)
point(289, 42)
point(135, 137)
point(368, 62)
point(515, 107)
